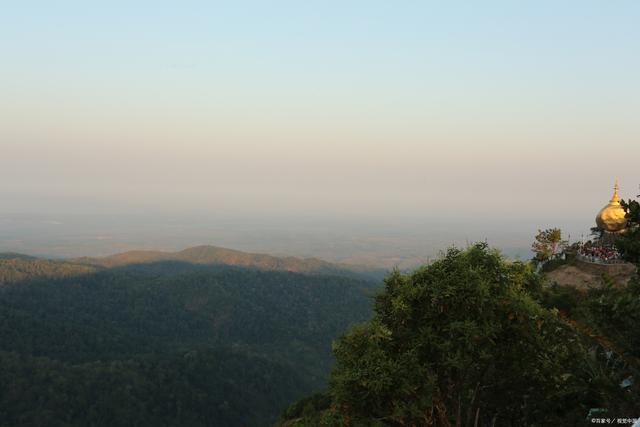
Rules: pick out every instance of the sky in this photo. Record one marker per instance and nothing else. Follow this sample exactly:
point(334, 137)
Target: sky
point(360, 110)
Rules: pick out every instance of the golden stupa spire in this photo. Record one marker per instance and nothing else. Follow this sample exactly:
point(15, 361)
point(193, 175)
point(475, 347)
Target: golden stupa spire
point(615, 197)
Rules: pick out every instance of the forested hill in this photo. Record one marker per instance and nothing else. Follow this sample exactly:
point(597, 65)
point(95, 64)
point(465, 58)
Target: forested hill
point(16, 268)
point(165, 343)
point(208, 255)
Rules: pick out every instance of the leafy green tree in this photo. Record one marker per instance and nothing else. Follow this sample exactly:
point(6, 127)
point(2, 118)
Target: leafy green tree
point(629, 243)
point(548, 245)
point(460, 341)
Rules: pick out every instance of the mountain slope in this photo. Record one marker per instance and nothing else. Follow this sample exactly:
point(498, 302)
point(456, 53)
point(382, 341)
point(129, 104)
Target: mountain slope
point(203, 255)
point(16, 268)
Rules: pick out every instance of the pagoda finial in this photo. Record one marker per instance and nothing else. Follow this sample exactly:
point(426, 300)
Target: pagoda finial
point(615, 197)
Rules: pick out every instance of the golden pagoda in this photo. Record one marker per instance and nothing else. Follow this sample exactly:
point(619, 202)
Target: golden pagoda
point(611, 218)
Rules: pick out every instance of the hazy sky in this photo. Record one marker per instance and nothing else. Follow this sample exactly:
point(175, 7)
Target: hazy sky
point(355, 108)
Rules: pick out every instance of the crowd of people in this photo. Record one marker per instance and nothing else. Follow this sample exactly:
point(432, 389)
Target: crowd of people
point(595, 253)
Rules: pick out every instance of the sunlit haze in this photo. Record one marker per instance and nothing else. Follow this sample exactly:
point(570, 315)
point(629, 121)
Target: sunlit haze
point(313, 128)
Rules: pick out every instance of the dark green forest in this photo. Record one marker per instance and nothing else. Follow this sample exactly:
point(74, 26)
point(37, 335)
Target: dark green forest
point(166, 343)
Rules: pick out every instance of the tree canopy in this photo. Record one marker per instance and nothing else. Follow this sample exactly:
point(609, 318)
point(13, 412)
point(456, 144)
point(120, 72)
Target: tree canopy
point(465, 341)
point(629, 243)
point(167, 343)
point(548, 245)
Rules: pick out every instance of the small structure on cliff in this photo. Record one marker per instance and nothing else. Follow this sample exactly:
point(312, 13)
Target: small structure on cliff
point(611, 223)
point(599, 258)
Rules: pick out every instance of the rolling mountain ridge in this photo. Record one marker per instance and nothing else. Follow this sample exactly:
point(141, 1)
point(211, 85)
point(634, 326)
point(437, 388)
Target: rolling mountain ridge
point(205, 255)
point(206, 336)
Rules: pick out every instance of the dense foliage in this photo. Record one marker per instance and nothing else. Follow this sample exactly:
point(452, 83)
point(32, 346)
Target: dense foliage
point(629, 243)
point(614, 312)
point(475, 340)
point(196, 388)
point(166, 343)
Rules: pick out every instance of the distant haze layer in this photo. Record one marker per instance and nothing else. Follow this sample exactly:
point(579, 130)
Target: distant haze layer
point(498, 118)
point(382, 244)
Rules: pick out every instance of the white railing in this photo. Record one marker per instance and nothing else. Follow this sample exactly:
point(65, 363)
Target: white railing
point(596, 260)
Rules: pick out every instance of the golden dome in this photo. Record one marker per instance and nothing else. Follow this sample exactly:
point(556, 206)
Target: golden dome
point(611, 218)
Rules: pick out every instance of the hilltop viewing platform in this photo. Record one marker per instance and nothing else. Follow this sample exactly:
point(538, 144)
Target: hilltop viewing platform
point(597, 262)
point(597, 254)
